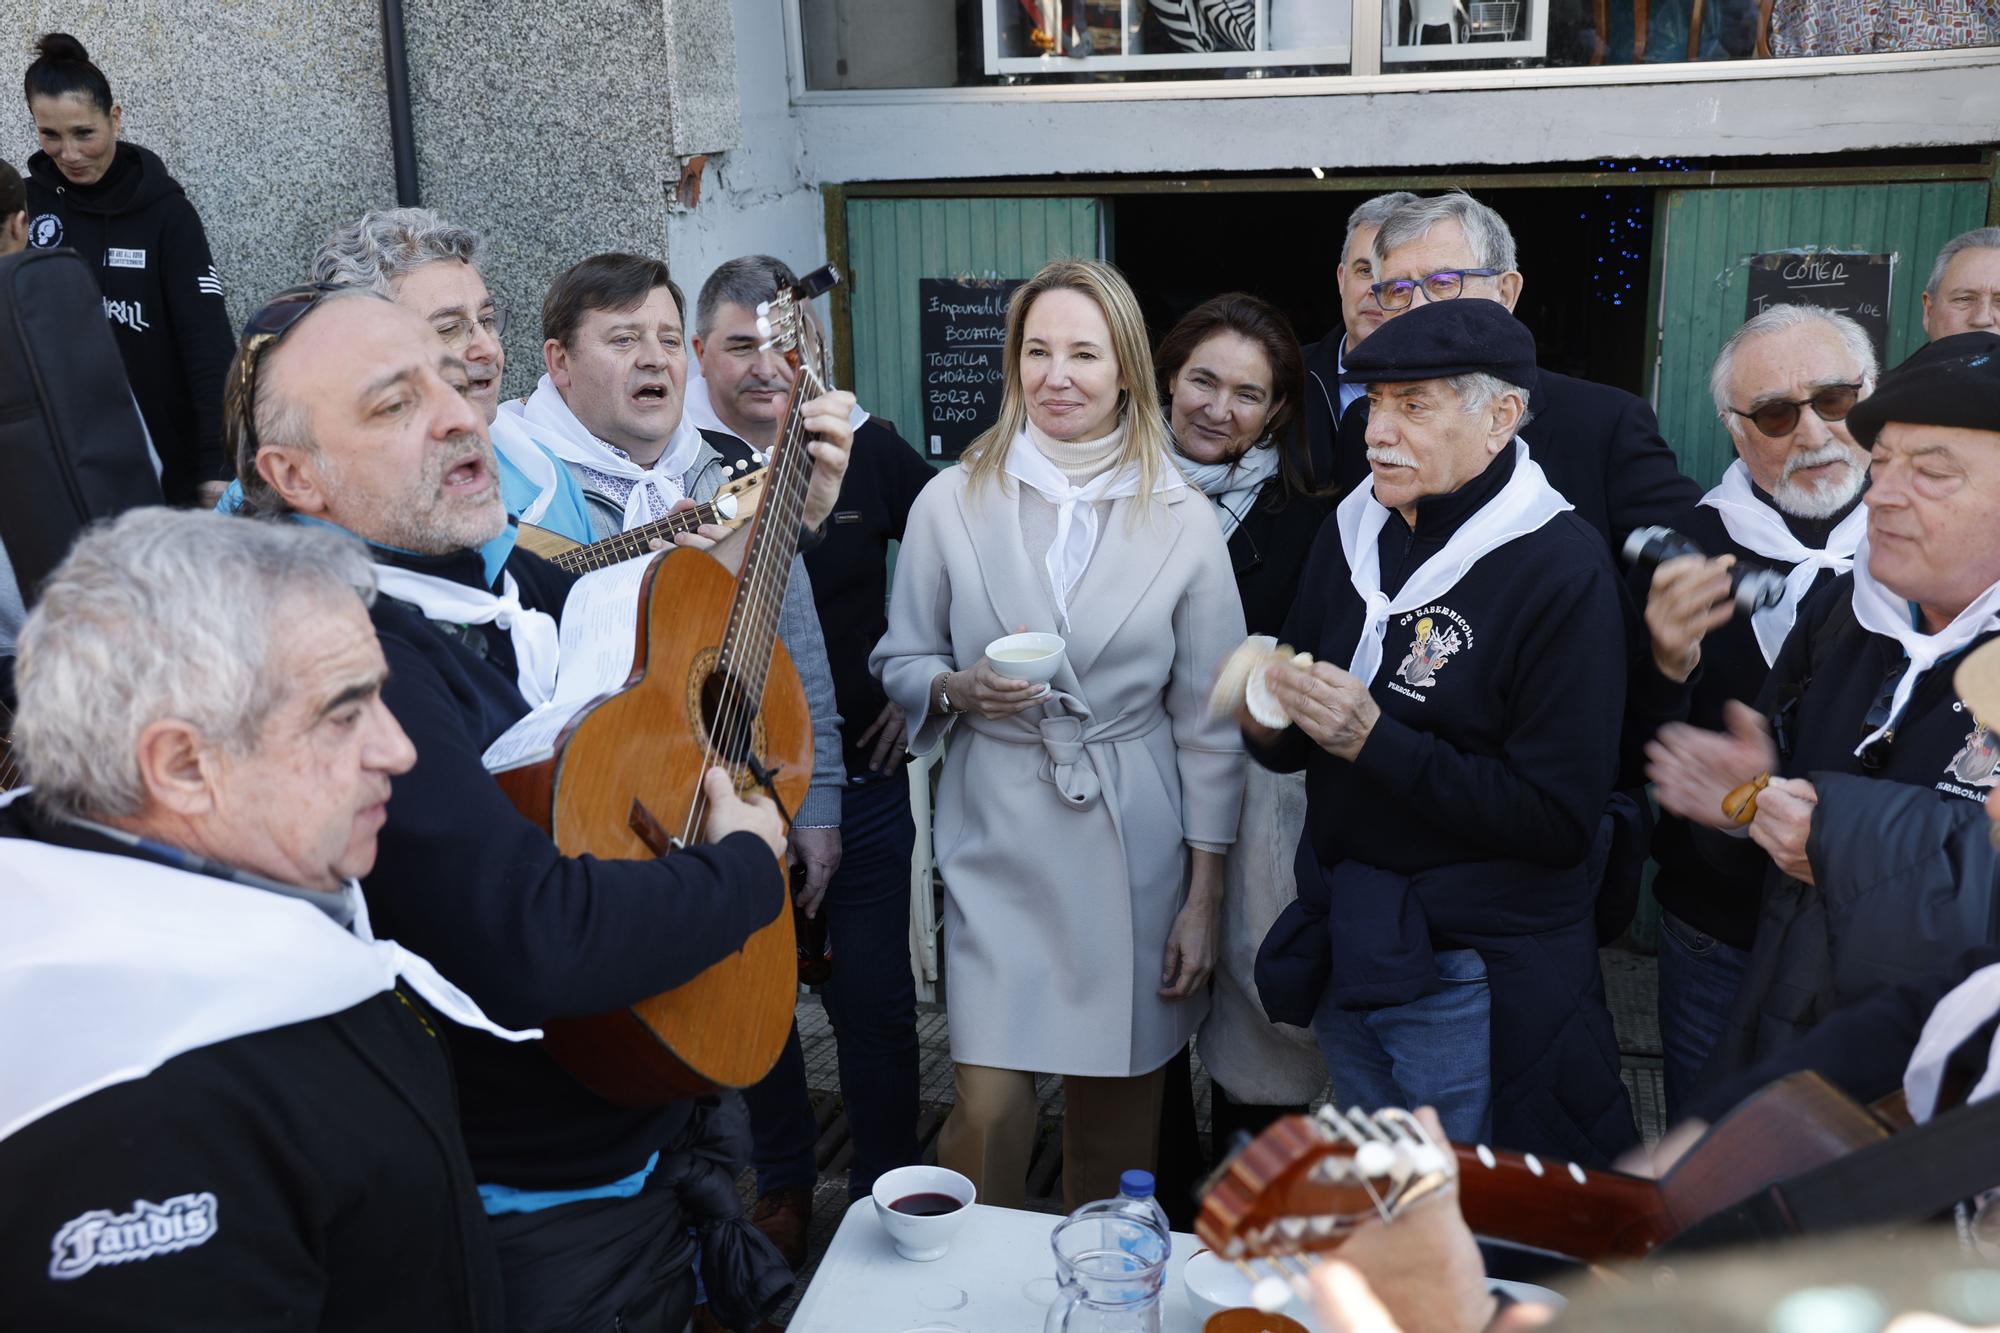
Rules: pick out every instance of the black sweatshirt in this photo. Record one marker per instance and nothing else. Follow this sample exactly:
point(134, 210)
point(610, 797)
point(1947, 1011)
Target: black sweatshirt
point(162, 295)
point(341, 1194)
point(478, 889)
point(1511, 753)
point(850, 573)
point(1718, 899)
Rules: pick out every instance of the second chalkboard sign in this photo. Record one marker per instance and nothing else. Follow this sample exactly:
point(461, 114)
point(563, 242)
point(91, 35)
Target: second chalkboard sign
point(1851, 283)
point(962, 333)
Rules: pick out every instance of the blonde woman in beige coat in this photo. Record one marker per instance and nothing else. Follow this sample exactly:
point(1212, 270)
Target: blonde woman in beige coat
point(1081, 831)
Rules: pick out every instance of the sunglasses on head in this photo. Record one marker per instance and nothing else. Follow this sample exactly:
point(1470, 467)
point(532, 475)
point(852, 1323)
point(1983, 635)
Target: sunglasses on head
point(261, 332)
point(1780, 418)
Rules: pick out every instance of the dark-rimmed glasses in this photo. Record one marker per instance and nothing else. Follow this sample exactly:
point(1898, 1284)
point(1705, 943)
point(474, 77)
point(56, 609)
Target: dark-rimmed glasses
point(261, 332)
point(1780, 418)
point(1444, 285)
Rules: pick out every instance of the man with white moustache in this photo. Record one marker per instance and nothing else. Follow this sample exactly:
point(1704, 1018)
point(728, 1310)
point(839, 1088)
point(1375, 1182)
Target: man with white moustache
point(1783, 386)
point(611, 406)
point(1859, 711)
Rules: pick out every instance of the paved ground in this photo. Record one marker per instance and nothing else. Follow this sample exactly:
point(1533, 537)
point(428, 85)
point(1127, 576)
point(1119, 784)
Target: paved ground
point(1629, 978)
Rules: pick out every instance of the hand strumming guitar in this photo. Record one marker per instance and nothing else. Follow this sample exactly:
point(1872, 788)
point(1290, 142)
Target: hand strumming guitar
point(729, 813)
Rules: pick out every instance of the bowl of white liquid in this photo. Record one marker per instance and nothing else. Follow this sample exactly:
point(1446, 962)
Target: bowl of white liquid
point(1034, 657)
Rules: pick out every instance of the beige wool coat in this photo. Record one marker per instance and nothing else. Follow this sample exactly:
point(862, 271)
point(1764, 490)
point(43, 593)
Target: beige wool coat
point(1061, 832)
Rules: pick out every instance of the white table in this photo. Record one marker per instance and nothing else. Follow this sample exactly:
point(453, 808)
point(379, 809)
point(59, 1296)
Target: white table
point(999, 1277)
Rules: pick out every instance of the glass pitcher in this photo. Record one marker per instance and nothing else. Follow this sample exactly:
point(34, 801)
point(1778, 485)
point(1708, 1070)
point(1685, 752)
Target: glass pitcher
point(1111, 1261)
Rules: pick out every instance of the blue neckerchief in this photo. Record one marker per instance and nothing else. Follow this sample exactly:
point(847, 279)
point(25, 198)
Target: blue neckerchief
point(498, 1199)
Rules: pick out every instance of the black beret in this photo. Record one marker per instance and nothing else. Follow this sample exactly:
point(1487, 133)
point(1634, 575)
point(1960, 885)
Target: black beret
point(1954, 381)
point(1439, 339)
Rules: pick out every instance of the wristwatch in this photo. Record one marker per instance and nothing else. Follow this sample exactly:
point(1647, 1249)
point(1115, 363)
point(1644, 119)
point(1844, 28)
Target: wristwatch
point(944, 703)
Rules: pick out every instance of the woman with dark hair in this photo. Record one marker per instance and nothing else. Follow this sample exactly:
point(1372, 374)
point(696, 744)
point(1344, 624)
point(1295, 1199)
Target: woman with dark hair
point(115, 204)
point(1232, 378)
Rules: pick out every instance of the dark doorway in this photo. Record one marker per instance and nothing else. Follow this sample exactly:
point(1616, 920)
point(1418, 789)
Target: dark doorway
point(1584, 253)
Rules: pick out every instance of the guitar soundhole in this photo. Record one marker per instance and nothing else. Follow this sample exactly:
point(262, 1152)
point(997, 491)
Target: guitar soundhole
point(730, 738)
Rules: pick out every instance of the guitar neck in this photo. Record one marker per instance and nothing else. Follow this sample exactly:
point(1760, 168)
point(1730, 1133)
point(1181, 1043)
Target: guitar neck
point(1592, 1216)
point(637, 541)
point(752, 631)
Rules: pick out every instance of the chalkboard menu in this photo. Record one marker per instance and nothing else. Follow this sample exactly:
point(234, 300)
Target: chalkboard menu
point(1848, 283)
point(962, 331)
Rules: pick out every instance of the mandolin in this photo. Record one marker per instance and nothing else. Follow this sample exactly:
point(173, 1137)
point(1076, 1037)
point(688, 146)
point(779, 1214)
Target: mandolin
point(729, 507)
point(710, 685)
point(1304, 1184)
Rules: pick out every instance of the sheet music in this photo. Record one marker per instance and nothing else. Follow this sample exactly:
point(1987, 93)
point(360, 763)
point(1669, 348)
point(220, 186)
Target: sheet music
point(600, 626)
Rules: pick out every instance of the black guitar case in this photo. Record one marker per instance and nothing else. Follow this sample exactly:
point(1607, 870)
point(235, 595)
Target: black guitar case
point(72, 446)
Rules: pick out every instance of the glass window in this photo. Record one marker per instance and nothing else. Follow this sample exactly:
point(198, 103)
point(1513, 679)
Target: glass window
point(956, 43)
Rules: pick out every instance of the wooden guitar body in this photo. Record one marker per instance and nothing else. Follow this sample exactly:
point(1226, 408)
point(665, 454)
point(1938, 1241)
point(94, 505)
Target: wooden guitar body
point(620, 786)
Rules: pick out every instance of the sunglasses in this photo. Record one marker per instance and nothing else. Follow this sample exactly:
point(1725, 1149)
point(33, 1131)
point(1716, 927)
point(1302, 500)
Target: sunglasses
point(261, 332)
point(1781, 418)
point(1875, 756)
point(1444, 285)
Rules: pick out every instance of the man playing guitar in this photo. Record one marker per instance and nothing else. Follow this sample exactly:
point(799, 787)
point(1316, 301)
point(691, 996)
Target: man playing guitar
point(347, 410)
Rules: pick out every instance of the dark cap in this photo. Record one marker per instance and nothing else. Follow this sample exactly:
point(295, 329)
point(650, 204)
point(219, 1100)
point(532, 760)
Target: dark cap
point(1465, 336)
point(1954, 381)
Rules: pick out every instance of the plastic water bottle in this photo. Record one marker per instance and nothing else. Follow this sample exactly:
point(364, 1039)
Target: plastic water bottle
point(1135, 1193)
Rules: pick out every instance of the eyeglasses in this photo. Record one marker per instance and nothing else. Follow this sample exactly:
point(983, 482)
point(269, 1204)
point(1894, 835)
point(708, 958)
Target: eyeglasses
point(457, 333)
point(1444, 285)
point(263, 331)
point(1876, 755)
point(1781, 418)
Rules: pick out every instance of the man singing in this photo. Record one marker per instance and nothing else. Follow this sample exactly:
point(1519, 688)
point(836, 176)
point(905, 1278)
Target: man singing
point(348, 410)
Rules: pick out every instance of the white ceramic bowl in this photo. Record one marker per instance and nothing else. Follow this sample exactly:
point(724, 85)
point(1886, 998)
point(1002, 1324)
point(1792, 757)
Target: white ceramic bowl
point(922, 1238)
point(1035, 657)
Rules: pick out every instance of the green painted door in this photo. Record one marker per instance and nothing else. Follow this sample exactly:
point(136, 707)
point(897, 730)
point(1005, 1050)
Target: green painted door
point(1706, 238)
point(891, 243)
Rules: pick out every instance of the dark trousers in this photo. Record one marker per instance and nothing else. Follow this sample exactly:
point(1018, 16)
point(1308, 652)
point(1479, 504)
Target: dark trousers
point(598, 1265)
point(871, 1001)
point(1699, 976)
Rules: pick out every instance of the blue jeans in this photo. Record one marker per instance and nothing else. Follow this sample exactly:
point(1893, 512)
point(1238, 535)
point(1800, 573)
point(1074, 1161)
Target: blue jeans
point(1435, 1051)
point(871, 1001)
point(1699, 976)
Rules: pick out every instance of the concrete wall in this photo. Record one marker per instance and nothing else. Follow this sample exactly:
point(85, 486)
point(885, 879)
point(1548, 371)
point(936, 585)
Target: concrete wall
point(271, 113)
point(555, 132)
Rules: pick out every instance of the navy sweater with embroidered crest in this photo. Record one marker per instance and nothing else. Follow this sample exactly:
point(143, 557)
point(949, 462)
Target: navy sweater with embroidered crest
point(1508, 750)
point(530, 934)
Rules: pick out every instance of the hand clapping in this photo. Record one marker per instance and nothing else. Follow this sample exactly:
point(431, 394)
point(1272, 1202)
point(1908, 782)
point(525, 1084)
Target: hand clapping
point(1328, 704)
point(1692, 770)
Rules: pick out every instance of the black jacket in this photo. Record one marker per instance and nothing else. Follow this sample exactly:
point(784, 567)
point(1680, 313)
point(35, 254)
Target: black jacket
point(1268, 551)
point(1472, 816)
point(530, 934)
point(1819, 946)
point(1600, 446)
point(1718, 897)
point(850, 572)
point(322, 1158)
point(162, 295)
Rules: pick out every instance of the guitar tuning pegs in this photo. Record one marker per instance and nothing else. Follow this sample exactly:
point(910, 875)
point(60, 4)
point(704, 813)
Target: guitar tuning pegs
point(757, 457)
point(764, 328)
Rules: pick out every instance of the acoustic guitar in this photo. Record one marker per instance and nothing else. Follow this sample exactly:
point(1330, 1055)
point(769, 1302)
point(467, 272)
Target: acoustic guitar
point(1304, 1184)
point(710, 685)
point(730, 507)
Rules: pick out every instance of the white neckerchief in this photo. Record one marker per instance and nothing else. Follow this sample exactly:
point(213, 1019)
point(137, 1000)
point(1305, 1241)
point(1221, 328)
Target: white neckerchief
point(1076, 509)
point(1522, 506)
point(1883, 612)
point(513, 442)
point(1762, 529)
point(1957, 1016)
point(568, 439)
point(130, 963)
point(533, 633)
point(1233, 486)
point(700, 408)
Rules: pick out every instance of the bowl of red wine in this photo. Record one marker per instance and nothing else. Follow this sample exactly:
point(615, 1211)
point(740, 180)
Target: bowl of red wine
point(922, 1208)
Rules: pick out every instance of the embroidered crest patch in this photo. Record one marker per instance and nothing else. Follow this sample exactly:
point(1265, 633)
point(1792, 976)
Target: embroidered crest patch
point(45, 231)
point(1977, 763)
point(101, 1236)
point(1439, 634)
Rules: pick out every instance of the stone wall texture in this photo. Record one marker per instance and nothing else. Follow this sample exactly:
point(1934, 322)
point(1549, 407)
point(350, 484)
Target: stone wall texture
point(554, 130)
